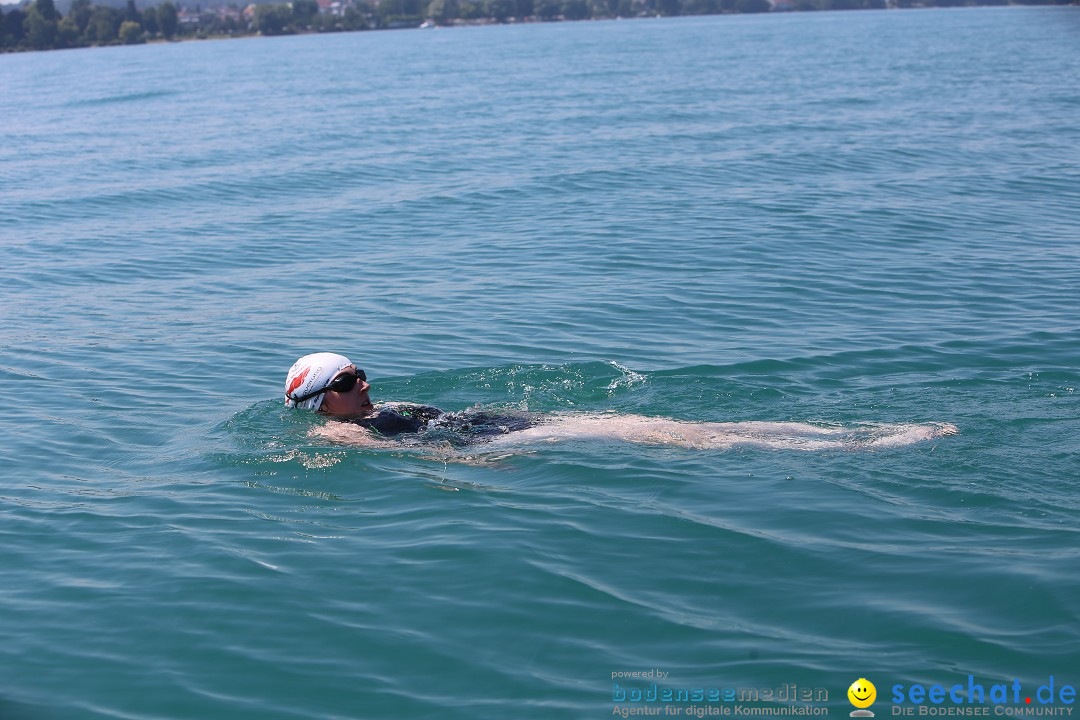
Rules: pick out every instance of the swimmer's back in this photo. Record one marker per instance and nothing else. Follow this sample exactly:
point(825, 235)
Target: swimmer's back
point(460, 428)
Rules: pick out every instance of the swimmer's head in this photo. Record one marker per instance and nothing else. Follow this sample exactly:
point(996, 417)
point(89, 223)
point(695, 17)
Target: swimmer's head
point(328, 383)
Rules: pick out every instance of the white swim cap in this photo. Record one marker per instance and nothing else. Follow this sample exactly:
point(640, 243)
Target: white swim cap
point(310, 373)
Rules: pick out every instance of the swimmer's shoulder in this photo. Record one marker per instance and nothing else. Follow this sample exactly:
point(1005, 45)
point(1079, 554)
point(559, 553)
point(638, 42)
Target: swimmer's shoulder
point(390, 419)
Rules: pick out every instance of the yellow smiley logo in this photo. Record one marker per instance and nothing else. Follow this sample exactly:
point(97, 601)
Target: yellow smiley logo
point(862, 694)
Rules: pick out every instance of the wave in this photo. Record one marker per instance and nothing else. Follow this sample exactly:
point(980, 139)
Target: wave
point(122, 97)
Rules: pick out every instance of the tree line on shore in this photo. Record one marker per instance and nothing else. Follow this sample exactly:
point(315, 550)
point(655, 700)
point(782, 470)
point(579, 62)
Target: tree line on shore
point(41, 26)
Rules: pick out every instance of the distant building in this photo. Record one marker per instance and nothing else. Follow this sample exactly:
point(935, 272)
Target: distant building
point(188, 18)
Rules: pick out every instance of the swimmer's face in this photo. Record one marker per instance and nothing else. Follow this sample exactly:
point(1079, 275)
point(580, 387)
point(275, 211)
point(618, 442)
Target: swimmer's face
point(353, 403)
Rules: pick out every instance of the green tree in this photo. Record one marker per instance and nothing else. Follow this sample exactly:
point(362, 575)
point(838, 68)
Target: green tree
point(603, 8)
point(576, 9)
point(150, 22)
point(104, 25)
point(469, 10)
point(354, 19)
point(442, 11)
point(327, 23)
point(752, 6)
point(701, 7)
point(47, 8)
point(131, 33)
point(304, 12)
point(400, 13)
point(3, 28)
point(67, 34)
point(41, 31)
point(15, 25)
point(273, 19)
point(214, 24)
point(167, 19)
point(131, 13)
point(79, 13)
point(547, 9)
point(500, 9)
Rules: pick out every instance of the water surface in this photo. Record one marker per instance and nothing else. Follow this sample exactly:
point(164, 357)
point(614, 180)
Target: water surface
point(836, 220)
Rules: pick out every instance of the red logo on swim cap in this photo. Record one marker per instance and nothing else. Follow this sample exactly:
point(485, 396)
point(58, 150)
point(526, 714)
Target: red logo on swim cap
point(297, 382)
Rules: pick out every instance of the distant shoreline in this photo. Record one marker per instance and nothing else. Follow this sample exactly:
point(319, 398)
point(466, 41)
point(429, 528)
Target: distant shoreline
point(85, 26)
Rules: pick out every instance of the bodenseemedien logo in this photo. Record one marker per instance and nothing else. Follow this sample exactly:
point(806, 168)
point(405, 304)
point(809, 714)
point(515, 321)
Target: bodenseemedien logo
point(862, 694)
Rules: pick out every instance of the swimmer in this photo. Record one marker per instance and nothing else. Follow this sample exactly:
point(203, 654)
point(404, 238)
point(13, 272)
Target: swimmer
point(330, 384)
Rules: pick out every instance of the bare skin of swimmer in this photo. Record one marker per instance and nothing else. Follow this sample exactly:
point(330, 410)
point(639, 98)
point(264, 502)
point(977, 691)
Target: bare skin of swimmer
point(352, 404)
point(640, 429)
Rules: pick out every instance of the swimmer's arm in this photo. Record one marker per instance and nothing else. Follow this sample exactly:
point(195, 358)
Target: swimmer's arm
point(350, 434)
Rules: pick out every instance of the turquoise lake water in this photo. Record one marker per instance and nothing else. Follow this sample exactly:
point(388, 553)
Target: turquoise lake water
point(859, 225)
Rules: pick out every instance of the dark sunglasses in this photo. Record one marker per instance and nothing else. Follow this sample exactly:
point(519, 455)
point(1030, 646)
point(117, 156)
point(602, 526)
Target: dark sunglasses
point(342, 383)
